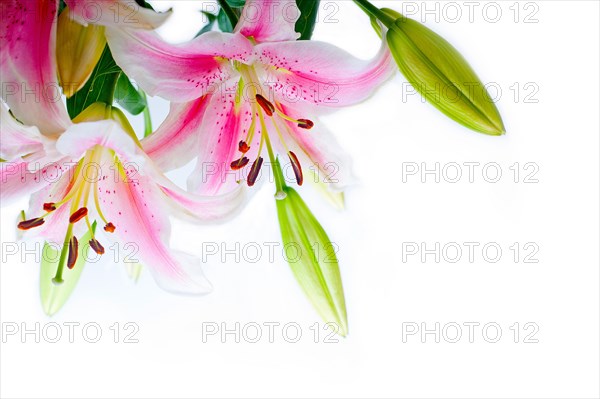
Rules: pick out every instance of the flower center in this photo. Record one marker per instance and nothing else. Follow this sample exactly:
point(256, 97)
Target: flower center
point(262, 108)
point(83, 184)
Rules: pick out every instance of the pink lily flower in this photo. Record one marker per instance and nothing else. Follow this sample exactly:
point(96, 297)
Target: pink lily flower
point(92, 168)
point(236, 93)
point(28, 36)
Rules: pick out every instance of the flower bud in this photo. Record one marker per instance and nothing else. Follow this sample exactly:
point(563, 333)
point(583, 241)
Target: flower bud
point(311, 256)
point(440, 73)
point(78, 51)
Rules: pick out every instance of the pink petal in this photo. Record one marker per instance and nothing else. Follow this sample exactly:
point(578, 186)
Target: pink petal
point(28, 64)
point(136, 208)
point(106, 133)
point(318, 149)
point(175, 142)
point(55, 227)
point(123, 13)
point(16, 139)
point(177, 72)
point(269, 20)
point(321, 73)
point(207, 209)
point(17, 181)
point(82, 136)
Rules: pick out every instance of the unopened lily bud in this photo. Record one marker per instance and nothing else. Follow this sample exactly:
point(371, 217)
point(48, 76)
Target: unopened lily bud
point(441, 75)
point(78, 51)
point(311, 256)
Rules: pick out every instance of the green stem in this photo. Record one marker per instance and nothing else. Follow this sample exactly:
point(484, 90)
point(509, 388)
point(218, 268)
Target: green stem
point(233, 18)
point(63, 255)
point(375, 12)
point(147, 118)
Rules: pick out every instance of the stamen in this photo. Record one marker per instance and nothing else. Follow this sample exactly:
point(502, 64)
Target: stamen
point(240, 163)
point(302, 123)
point(265, 104)
point(305, 124)
point(30, 224)
point(244, 147)
point(78, 215)
point(49, 206)
point(254, 171)
point(73, 252)
point(96, 246)
point(297, 168)
point(110, 228)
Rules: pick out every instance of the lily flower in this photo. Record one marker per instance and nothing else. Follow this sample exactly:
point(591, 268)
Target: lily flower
point(28, 33)
point(236, 93)
point(90, 169)
point(101, 173)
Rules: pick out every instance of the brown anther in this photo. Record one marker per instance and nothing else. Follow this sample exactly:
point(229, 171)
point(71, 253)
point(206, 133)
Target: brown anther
point(110, 228)
point(49, 206)
point(96, 246)
point(265, 104)
point(78, 215)
point(244, 147)
point(254, 171)
point(73, 252)
point(297, 168)
point(30, 224)
point(240, 163)
point(305, 124)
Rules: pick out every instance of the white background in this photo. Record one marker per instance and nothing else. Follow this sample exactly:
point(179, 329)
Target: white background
point(559, 134)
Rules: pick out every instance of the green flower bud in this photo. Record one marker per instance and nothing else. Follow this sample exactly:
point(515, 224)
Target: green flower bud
point(311, 256)
point(443, 76)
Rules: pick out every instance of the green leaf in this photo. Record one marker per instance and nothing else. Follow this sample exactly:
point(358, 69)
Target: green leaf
point(441, 74)
point(236, 3)
point(231, 12)
point(144, 4)
point(54, 296)
point(100, 87)
point(308, 17)
point(128, 97)
point(223, 22)
point(312, 258)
